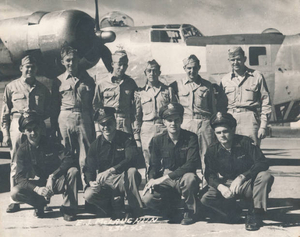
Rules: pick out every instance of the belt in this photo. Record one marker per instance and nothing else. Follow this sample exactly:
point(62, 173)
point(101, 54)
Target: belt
point(74, 110)
point(16, 115)
point(239, 110)
point(196, 116)
point(121, 115)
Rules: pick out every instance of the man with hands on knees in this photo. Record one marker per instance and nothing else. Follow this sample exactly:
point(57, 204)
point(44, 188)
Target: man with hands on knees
point(110, 170)
point(174, 158)
point(43, 168)
point(236, 168)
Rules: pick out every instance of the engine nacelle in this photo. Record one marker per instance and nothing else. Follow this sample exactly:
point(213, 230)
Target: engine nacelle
point(43, 34)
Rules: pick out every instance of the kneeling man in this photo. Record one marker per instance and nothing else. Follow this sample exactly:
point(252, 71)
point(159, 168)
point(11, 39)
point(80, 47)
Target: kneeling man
point(110, 171)
point(43, 168)
point(236, 168)
point(174, 158)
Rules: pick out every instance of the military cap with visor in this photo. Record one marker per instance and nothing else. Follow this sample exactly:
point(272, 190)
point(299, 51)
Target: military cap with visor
point(105, 114)
point(220, 119)
point(28, 117)
point(171, 109)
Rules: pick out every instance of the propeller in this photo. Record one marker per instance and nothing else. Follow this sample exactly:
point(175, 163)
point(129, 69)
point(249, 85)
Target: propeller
point(104, 37)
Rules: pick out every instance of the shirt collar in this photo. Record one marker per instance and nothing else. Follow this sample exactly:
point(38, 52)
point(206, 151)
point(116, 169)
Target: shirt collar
point(248, 73)
point(22, 79)
point(148, 86)
point(186, 80)
point(235, 143)
point(123, 79)
point(67, 75)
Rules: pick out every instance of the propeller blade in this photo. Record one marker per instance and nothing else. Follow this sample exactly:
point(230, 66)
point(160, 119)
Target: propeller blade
point(97, 26)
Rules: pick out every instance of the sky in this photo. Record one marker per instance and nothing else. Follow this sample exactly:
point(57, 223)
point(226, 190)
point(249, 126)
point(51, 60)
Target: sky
point(211, 17)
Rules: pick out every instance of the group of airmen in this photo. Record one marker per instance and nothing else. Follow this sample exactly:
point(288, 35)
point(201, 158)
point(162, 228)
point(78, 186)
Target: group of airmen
point(99, 132)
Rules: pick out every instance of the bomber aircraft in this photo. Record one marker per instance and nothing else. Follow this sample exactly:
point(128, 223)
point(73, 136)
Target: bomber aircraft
point(44, 33)
point(270, 52)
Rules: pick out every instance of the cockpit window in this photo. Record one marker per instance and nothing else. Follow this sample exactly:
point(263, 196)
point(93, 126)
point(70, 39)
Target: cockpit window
point(257, 56)
point(170, 36)
point(190, 31)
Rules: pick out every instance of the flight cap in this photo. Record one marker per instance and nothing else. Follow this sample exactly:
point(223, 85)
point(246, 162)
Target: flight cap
point(28, 60)
point(190, 59)
point(120, 56)
point(235, 51)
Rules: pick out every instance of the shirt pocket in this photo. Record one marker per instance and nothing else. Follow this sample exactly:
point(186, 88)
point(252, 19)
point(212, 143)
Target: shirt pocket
point(182, 155)
point(146, 105)
point(109, 98)
point(120, 153)
point(65, 88)
point(166, 159)
point(230, 94)
point(184, 98)
point(18, 97)
point(201, 98)
point(250, 92)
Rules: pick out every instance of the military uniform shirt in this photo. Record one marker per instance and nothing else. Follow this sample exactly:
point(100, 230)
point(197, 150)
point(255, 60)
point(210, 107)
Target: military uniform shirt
point(118, 95)
point(75, 92)
point(121, 154)
point(196, 97)
point(48, 158)
point(251, 93)
point(19, 97)
point(180, 158)
point(148, 101)
point(244, 158)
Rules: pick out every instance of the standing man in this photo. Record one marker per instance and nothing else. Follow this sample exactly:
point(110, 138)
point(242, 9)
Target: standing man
point(148, 101)
point(236, 168)
point(245, 95)
point(110, 171)
point(25, 93)
point(73, 93)
point(117, 90)
point(197, 97)
point(174, 157)
point(43, 168)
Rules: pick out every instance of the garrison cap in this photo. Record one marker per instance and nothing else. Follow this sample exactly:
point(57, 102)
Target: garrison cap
point(27, 118)
point(171, 109)
point(190, 59)
point(153, 63)
point(120, 56)
point(105, 114)
point(235, 51)
point(28, 59)
point(221, 119)
point(66, 50)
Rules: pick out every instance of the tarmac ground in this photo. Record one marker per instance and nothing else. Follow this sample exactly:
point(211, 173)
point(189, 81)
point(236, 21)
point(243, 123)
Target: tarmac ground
point(282, 219)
